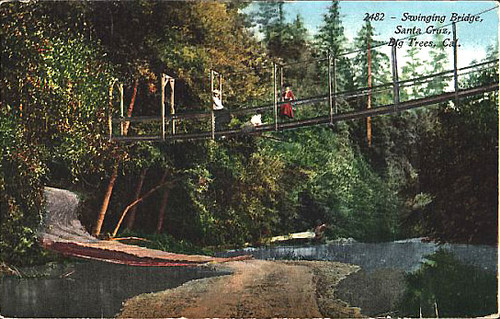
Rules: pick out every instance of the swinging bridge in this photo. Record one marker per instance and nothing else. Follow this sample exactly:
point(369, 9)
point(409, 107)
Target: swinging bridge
point(339, 104)
point(64, 232)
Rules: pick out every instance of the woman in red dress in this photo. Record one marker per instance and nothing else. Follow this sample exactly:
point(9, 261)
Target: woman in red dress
point(286, 109)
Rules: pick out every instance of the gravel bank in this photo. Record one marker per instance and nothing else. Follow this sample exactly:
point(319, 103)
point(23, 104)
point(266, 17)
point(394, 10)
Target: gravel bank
point(255, 289)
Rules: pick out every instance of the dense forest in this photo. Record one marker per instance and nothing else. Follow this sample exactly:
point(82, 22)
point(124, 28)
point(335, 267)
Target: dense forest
point(424, 172)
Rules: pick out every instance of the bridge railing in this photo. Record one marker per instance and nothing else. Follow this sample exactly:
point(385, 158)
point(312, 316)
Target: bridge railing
point(321, 90)
point(345, 101)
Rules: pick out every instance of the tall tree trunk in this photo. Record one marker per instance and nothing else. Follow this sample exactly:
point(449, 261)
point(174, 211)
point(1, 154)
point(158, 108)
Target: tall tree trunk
point(138, 189)
point(161, 213)
point(369, 105)
point(131, 106)
point(114, 175)
point(105, 202)
point(146, 195)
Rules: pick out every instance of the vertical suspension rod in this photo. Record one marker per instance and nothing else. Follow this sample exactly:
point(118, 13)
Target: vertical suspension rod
point(395, 78)
point(330, 96)
point(220, 88)
point(369, 104)
point(281, 97)
point(455, 61)
point(172, 103)
point(212, 112)
point(275, 102)
point(334, 84)
point(110, 110)
point(163, 84)
point(121, 109)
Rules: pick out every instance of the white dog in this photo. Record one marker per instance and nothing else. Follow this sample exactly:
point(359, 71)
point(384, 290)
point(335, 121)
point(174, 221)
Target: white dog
point(250, 126)
point(256, 120)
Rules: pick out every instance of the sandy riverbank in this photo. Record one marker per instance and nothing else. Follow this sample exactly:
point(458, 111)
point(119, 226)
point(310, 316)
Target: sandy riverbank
point(255, 289)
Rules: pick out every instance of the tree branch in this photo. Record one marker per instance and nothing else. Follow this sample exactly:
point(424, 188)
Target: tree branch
point(146, 195)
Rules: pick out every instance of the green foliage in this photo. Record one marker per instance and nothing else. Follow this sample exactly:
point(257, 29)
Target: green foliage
point(58, 83)
point(380, 74)
point(458, 290)
point(331, 37)
point(465, 207)
point(411, 70)
point(21, 188)
point(439, 60)
point(339, 187)
point(379, 61)
point(239, 203)
point(184, 40)
point(283, 40)
point(64, 61)
point(465, 189)
point(167, 243)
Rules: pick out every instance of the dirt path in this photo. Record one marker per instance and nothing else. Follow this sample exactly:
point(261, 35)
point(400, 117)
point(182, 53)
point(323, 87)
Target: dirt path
point(255, 289)
point(61, 222)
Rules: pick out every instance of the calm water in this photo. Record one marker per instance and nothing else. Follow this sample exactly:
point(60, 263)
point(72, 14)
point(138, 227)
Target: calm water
point(405, 255)
point(87, 289)
point(94, 289)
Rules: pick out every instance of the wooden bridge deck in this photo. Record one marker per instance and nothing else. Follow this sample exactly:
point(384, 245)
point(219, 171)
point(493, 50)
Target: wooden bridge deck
point(359, 114)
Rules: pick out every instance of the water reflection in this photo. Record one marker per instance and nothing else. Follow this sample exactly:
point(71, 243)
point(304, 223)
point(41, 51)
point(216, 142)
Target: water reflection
point(405, 255)
point(88, 289)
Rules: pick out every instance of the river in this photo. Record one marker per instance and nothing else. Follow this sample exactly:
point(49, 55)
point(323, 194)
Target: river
point(87, 288)
point(406, 255)
point(97, 289)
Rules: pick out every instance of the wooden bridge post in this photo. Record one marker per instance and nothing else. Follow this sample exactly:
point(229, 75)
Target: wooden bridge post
point(369, 102)
point(455, 61)
point(212, 114)
point(121, 110)
point(220, 96)
point(395, 78)
point(330, 97)
point(163, 84)
point(110, 110)
point(334, 84)
point(213, 93)
point(281, 97)
point(172, 103)
point(275, 102)
point(220, 87)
